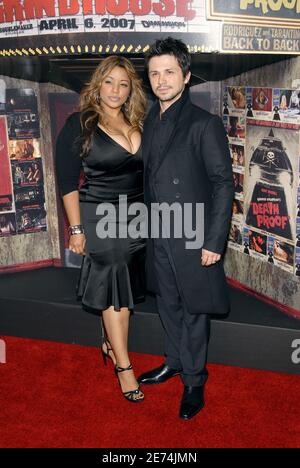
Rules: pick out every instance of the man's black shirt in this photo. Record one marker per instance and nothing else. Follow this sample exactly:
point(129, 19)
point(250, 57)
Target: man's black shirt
point(163, 126)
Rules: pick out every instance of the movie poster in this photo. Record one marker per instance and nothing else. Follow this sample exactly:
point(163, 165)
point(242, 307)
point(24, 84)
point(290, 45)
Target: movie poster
point(297, 262)
point(246, 241)
point(22, 114)
point(264, 141)
point(2, 96)
point(257, 243)
point(235, 238)
point(6, 191)
point(21, 100)
point(7, 224)
point(281, 254)
point(271, 175)
point(31, 219)
point(238, 179)
point(237, 211)
point(29, 195)
point(235, 127)
point(234, 101)
point(237, 153)
point(286, 105)
point(24, 149)
point(27, 173)
point(259, 103)
point(21, 176)
point(23, 125)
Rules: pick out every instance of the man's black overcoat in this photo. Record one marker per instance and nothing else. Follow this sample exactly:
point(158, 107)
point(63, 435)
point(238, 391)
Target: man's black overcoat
point(195, 167)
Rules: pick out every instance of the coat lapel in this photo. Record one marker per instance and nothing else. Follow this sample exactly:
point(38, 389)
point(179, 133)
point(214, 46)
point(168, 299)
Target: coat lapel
point(173, 131)
point(148, 133)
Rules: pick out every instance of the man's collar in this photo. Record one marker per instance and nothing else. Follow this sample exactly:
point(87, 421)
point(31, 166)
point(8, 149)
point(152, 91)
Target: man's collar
point(155, 109)
point(171, 112)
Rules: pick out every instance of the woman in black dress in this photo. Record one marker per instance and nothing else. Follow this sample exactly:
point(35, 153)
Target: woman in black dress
point(104, 139)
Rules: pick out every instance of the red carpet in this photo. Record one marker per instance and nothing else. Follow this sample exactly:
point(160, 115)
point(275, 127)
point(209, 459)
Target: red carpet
point(57, 395)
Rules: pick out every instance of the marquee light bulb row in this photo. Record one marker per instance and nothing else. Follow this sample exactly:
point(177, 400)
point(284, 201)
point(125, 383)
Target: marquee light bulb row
point(93, 49)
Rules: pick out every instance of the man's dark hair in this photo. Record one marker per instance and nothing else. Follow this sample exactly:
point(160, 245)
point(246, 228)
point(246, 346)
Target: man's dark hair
point(170, 46)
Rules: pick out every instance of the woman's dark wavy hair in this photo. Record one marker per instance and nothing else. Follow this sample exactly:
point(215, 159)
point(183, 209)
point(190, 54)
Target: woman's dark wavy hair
point(170, 46)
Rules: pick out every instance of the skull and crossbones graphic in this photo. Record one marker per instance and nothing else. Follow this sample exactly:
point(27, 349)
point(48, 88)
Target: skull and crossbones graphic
point(270, 158)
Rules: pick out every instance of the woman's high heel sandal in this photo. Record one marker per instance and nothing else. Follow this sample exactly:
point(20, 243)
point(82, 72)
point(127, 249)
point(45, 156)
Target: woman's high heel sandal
point(130, 395)
point(105, 354)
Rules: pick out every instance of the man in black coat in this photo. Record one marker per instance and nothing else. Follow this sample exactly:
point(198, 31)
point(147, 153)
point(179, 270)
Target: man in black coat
point(186, 162)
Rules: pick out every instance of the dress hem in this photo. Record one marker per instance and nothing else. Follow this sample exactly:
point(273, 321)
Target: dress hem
point(92, 309)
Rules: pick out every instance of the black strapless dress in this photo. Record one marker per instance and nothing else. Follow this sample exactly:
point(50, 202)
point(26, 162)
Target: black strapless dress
point(112, 271)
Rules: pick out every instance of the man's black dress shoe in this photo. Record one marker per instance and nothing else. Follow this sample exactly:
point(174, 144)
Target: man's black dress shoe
point(159, 375)
point(192, 402)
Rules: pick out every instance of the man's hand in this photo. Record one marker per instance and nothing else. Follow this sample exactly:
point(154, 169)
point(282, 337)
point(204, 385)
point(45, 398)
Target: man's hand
point(77, 243)
point(209, 258)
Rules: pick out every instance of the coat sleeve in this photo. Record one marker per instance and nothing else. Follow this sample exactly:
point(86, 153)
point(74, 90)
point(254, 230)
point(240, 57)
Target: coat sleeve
point(216, 156)
point(67, 156)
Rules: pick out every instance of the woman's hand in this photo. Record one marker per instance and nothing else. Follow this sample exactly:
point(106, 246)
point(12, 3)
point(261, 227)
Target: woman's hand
point(77, 243)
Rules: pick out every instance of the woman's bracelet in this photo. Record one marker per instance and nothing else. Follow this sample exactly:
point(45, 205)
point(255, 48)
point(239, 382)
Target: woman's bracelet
point(76, 229)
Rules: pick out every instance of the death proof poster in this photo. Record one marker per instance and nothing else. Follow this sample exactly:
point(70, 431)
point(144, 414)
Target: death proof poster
point(271, 177)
